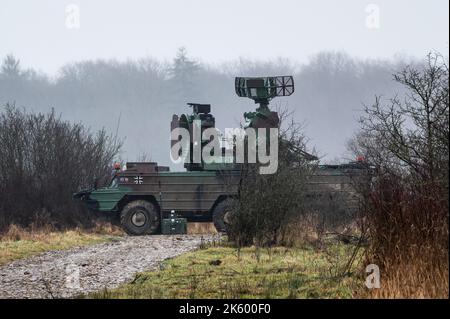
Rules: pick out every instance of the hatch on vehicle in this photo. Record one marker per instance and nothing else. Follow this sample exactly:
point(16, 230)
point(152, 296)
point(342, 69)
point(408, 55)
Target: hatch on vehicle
point(142, 167)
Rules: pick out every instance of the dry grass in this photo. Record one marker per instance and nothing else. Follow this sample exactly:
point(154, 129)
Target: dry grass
point(309, 229)
point(17, 242)
point(201, 228)
point(409, 242)
point(418, 279)
point(300, 231)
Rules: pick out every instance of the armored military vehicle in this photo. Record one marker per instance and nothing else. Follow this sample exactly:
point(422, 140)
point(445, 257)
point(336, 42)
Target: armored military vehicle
point(144, 193)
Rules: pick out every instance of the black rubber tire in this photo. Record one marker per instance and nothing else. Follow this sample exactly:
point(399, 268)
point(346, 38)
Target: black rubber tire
point(218, 215)
point(151, 225)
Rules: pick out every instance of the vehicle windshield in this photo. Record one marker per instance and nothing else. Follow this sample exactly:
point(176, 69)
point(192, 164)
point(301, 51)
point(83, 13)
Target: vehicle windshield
point(114, 182)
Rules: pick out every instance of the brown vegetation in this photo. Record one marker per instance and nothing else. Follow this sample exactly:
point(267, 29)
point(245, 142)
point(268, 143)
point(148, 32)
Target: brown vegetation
point(406, 207)
point(201, 228)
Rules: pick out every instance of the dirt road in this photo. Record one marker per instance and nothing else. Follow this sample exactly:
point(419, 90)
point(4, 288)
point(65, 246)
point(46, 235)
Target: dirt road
point(68, 273)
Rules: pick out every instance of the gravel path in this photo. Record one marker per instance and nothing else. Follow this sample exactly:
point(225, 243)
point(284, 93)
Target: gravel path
point(67, 273)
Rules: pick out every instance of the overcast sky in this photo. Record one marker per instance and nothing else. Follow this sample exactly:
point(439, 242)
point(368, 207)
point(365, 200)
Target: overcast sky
point(46, 34)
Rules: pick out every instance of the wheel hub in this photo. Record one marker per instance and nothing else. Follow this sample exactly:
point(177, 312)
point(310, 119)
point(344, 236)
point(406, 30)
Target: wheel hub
point(138, 219)
point(226, 217)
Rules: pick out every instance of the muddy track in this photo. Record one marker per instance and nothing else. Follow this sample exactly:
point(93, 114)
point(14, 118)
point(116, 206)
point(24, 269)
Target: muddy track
point(68, 273)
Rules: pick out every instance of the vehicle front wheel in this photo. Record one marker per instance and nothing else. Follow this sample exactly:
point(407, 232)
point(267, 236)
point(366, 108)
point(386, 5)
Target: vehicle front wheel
point(140, 217)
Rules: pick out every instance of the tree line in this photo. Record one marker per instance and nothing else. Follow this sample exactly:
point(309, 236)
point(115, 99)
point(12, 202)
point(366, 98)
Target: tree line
point(138, 97)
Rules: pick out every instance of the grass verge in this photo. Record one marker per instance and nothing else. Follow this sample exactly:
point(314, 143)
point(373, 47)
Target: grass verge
point(18, 243)
point(225, 272)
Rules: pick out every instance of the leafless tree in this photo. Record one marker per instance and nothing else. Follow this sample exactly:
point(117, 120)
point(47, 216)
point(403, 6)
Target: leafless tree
point(407, 206)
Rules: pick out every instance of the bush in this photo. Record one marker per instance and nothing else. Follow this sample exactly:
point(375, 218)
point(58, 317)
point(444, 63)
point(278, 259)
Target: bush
point(268, 203)
point(43, 161)
point(406, 209)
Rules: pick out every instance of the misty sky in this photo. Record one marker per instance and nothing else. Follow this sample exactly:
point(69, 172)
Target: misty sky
point(43, 35)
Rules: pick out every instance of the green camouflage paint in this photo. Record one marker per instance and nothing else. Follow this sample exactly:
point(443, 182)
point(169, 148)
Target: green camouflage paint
point(105, 199)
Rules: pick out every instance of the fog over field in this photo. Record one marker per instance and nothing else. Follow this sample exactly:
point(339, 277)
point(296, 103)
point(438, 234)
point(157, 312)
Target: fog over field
point(129, 68)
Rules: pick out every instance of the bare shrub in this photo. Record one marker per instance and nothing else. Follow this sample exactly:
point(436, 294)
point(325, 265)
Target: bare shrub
point(44, 160)
point(294, 206)
point(406, 208)
point(268, 202)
